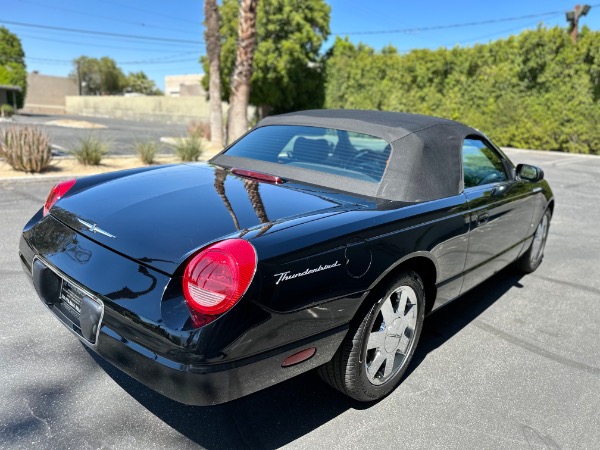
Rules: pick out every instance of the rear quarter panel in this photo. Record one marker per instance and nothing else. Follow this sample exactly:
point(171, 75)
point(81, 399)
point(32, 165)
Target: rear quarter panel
point(371, 240)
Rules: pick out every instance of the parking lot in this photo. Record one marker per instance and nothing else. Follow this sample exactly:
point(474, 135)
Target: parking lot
point(513, 364)
point(120, 135)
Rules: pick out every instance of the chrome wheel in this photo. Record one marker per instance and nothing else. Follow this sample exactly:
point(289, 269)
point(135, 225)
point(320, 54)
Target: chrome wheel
point(392, 335)
point(380, 343)
point(539, 240)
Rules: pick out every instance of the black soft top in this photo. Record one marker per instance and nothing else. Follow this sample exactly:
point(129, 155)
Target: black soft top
point(425, 161)
point(387, 125)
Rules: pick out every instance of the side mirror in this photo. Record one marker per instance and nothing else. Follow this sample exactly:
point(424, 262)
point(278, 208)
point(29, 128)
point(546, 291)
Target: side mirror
point(530, 173)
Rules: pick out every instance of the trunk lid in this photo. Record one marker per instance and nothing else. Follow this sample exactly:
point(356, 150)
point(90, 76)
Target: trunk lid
point(162, 216)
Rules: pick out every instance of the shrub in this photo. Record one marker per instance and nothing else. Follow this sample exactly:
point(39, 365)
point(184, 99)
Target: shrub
point(25, 148)
point(90, 151)
point(532, 90)
point(199, 130)
point(6, 110)
point(188, 149)
point(146, 150)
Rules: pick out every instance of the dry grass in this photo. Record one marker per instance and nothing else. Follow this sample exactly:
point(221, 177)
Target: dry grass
point(146, 151)
point(188, 149)
point(199, 130)
point(90, 150)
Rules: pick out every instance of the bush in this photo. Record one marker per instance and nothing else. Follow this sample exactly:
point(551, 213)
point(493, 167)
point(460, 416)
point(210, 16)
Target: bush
point(532, 90)
point(25, 148)
point(6, 111)
point(188, 149)
point(90, 151)
point(199, 130)
point(146, 150)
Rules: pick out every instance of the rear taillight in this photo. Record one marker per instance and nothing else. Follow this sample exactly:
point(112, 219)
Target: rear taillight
point(217, 277)
point(56, 193)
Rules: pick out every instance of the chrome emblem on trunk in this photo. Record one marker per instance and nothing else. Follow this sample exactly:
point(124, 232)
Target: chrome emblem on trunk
point(94, 228)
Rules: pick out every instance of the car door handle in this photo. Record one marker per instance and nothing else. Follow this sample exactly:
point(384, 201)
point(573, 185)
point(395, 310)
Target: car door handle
point(482, 218)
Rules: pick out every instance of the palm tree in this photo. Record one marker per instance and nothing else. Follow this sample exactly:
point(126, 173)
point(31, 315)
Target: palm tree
point(241, 80)
point(213, 50)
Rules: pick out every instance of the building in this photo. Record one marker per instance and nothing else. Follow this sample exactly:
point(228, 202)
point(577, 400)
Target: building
point(8, 95)
point(46, 94)
point(184, 85)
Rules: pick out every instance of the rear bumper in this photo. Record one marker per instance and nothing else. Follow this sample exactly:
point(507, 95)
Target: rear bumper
point(211, 384)
point(192, 384)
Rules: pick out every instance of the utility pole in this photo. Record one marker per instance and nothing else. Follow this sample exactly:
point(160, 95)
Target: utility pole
point(78, 77)
point(573, 19)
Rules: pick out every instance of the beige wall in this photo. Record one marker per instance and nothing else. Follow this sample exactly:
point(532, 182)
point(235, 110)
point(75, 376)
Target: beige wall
point(191, 90)
point(182, 85)
point(150, 108)
point(46, 94)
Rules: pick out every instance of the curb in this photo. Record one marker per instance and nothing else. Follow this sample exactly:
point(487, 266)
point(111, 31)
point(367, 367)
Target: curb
point(548, 152)
point(36, 178)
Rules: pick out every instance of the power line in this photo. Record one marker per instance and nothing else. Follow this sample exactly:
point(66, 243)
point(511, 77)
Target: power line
point(455, 25)
point(173, 61)
point(163, 60)
point(100, 33)
point(91, 44)
point(160, 59)
point(160, 14)
point(498, 33)
point(60, 62)
point(114, 19)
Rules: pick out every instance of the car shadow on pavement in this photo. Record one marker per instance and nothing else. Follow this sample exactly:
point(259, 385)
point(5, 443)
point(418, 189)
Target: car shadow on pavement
point(269, 418)
point(446, 322)
point(282, 413)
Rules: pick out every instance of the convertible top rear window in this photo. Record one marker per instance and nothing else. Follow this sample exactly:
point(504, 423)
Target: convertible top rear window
point(338, 152)
point(379, 154)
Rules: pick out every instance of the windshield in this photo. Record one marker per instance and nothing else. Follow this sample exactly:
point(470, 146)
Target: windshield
point(349, 154)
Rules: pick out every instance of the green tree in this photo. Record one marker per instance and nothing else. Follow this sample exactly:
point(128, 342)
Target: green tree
point(140, 83)
point(12, 63)
point(98, 76)
point(287, 70)
point(87, 74)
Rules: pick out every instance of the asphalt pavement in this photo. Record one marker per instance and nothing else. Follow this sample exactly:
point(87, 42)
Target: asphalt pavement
point(120, 135)
point(513, 364)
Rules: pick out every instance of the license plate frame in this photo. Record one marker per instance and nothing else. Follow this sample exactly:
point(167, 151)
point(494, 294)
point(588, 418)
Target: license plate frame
point(74, 305)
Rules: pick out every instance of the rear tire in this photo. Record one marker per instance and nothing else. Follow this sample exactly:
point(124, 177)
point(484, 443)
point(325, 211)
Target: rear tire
point(381, 342)
point(532, 258)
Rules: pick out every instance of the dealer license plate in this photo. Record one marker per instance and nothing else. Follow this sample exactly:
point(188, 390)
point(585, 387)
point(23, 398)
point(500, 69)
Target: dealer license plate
point(71, 296)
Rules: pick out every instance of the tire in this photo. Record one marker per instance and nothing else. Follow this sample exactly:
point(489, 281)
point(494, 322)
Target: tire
point(381, 342)
point(532, 258)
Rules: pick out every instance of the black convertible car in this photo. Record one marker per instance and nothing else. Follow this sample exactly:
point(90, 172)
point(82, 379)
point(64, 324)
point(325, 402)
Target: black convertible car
point(320, 239)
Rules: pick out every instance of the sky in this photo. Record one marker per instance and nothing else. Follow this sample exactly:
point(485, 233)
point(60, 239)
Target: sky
point(166, 38)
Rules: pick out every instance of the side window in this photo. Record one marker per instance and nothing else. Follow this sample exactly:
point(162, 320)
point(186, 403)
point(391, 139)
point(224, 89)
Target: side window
point(481, 164)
